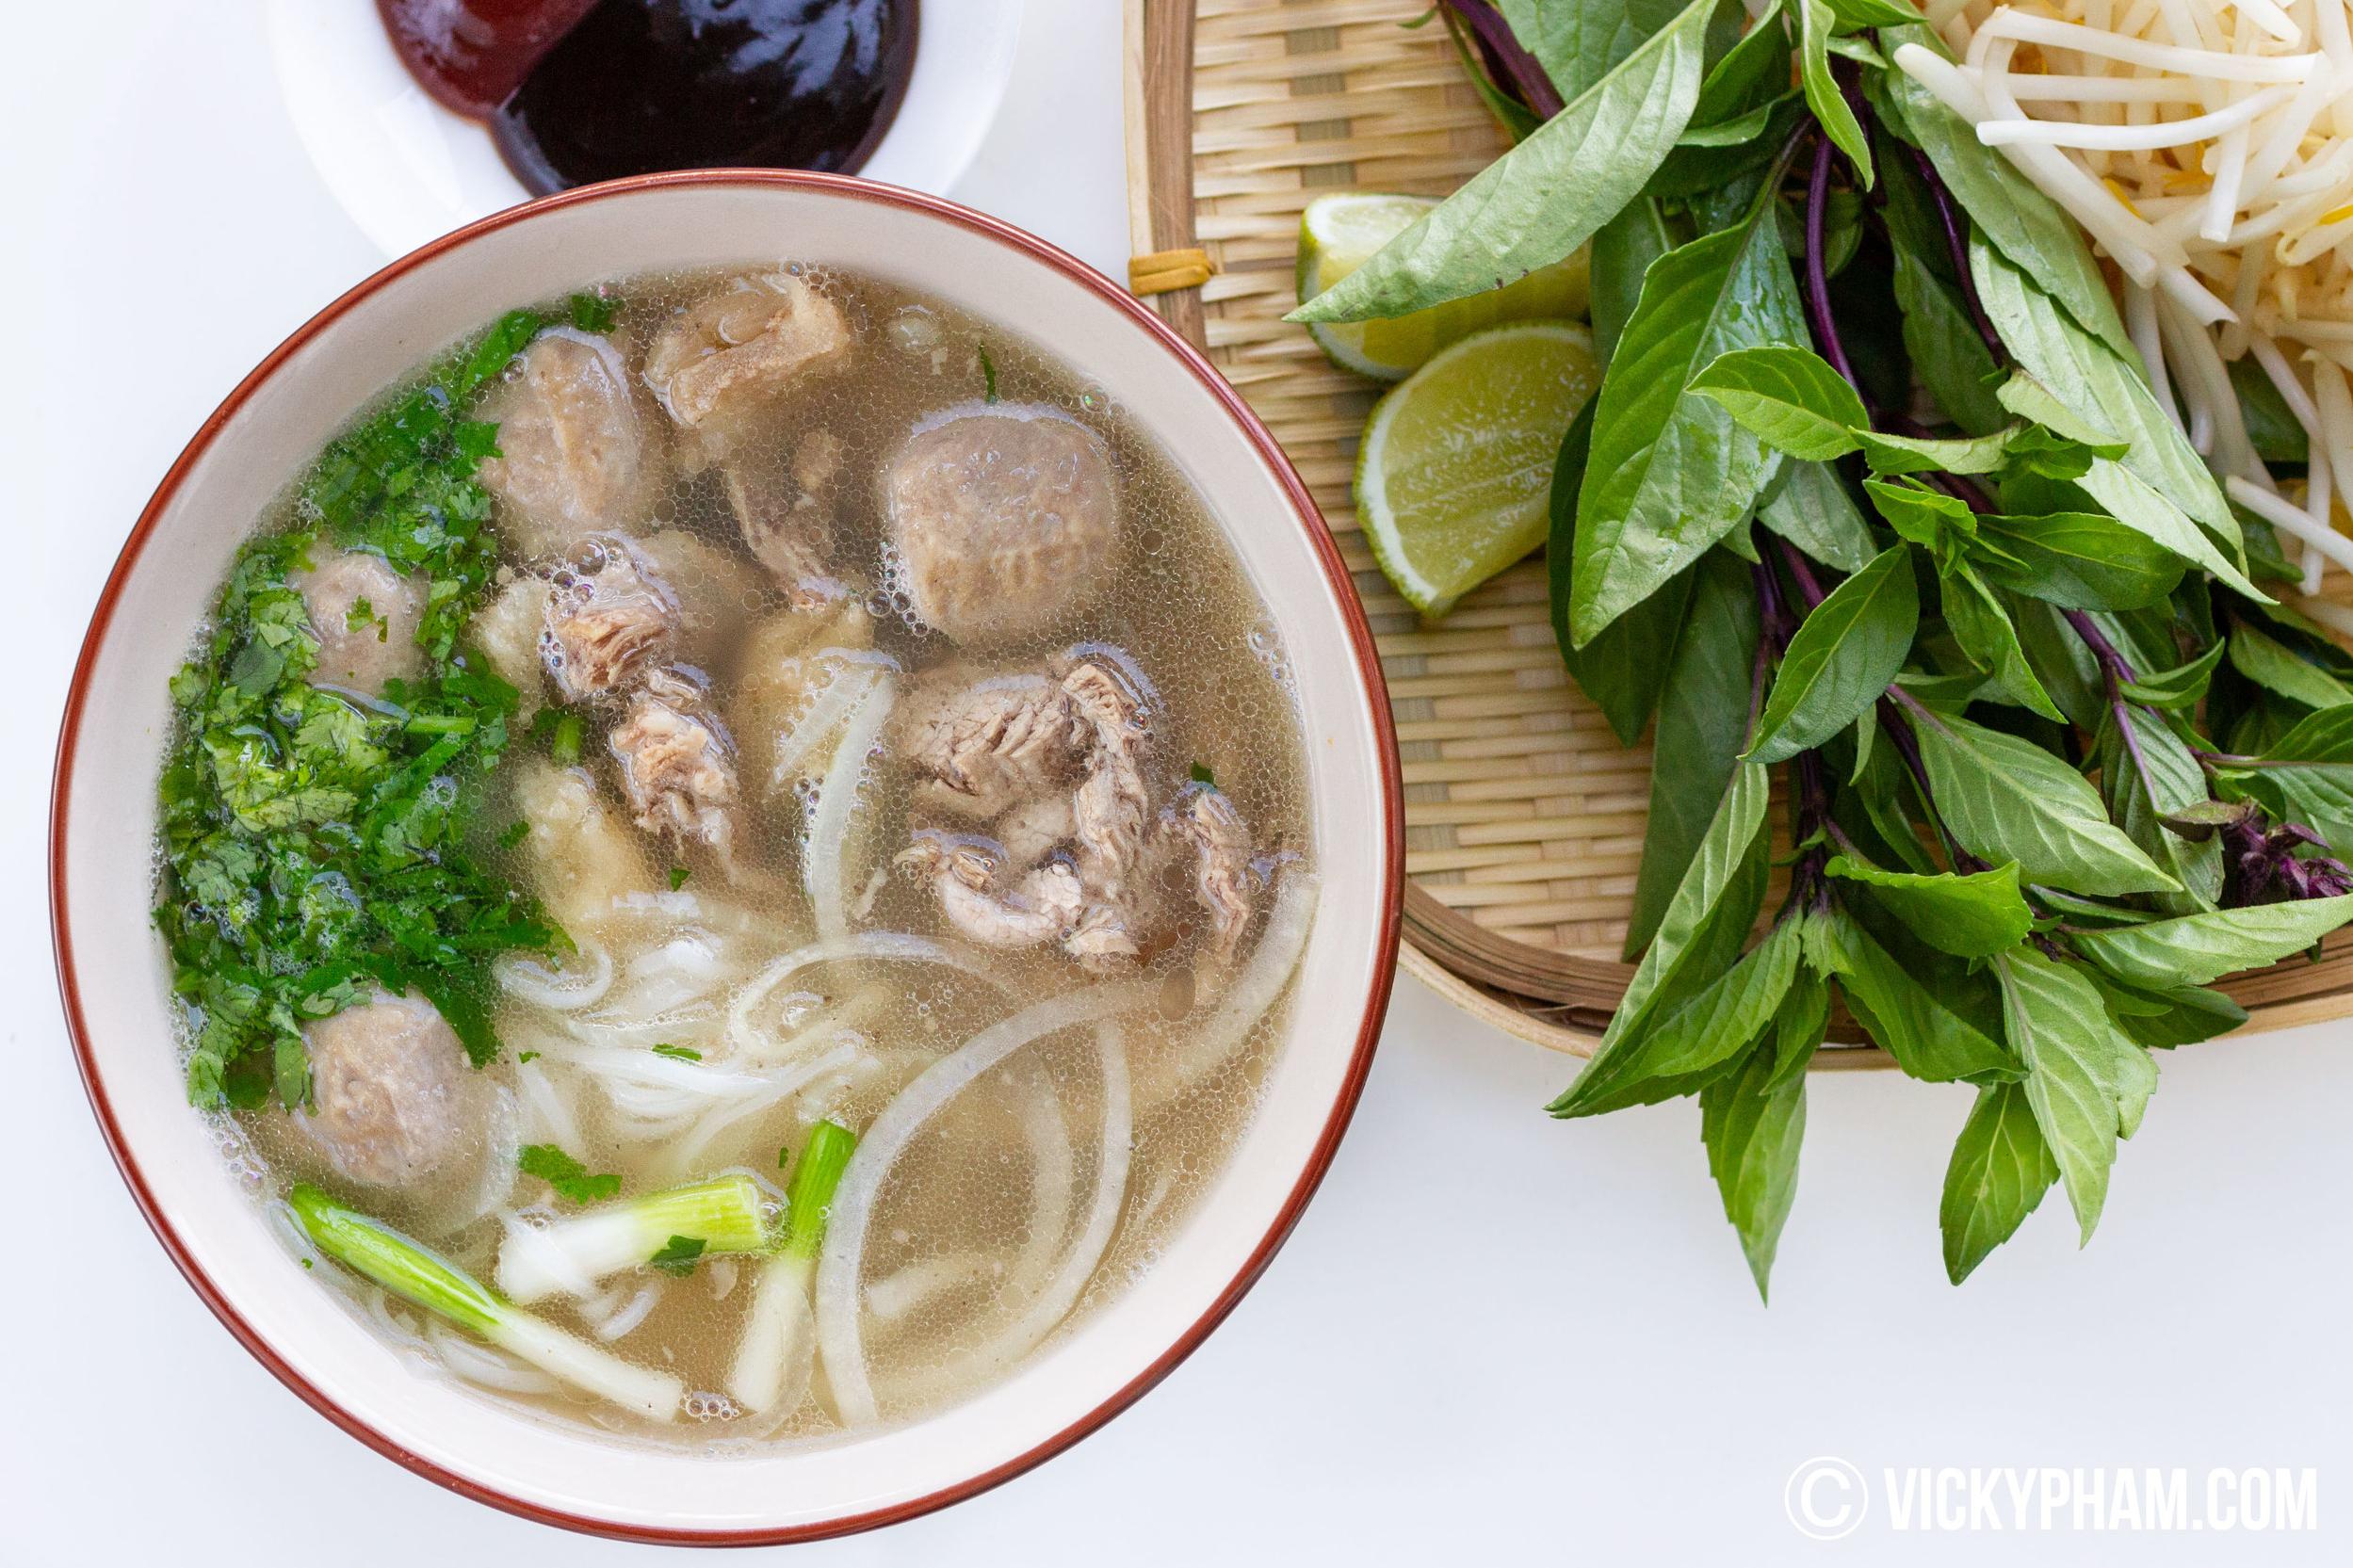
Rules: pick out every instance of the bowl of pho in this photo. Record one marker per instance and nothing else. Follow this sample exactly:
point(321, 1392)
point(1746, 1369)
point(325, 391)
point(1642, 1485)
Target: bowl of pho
point(725, 856)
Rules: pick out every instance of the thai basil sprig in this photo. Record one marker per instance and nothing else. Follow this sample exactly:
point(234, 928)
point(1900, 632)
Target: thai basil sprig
point(1874, 492)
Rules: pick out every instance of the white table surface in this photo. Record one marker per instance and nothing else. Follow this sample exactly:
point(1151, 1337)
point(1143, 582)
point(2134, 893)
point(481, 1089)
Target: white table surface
point(1493, 1338)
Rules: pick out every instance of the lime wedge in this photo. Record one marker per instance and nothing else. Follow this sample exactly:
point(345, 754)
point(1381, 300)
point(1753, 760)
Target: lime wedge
point(1454, 480)
point(1339, 233)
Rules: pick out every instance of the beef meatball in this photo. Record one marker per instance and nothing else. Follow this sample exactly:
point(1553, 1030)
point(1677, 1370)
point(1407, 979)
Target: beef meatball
point(1005, 520)
point(394, 1102)
point(575, 454)
point(365, 616)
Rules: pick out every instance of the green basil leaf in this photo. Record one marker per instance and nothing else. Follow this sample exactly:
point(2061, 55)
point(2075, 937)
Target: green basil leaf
point(1732, 1011)
point(1926, 1014)
point(1703, 721)
point(2103, 388)
point(2175, 1015)
point(1938, 523)
point(1670, 472)
point(2005, 799)
point(2131, 500)
point(1975, 916)
point(1752, 1128)
point(1799, 1028)
point(1788, 397)
point(2027, 227)
point(1623, 249)
point(1544, 198)
point(2000, 1170)
point(1843, 656)
point(1874, 13)
point(2272, 428)
point(2085, 1081)
point(1975, 616)
point(1948, 356)
point(2276, 666)
point(2144, 783)
point(2181, 686)
point(1807, 503)
point(2078, 560)
point(2199, 949)
point(1704, 927)
point(1620, 670)
point(1580, 41)
point(1815, 24)
point(1889, 454)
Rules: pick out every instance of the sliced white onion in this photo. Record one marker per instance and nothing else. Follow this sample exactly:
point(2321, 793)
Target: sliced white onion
point(620, 1321)
point(847, 688)
point(836, 803)
point(899, 1296)
point(1053, 1301)
point(839, 1336)
point(1255, 989)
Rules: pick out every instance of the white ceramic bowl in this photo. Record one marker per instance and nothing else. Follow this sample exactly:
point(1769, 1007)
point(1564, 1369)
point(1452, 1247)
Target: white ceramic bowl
point(111, 967)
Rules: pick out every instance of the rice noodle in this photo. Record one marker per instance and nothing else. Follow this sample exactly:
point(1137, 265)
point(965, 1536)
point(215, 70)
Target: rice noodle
point(679, 1155)
point(621, 1319)
point(840, 1338)
point(471, 1361)
point(557, 988)
point(893, 947)
point(836, 801)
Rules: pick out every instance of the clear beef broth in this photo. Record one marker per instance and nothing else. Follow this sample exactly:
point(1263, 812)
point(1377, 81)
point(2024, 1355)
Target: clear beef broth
point(999, 1185)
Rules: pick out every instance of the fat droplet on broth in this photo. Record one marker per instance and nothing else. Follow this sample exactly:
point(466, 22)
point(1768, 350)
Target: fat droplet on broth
point(1182, 609)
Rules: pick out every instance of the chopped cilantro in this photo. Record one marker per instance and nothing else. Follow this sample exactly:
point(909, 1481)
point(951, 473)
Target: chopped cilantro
point(564, 748)
point(678, 1255)
point(593, 313)
point(305, 1262)
point(784, 1155)
point(313, 842)
point(988, 375)
point(684, 1053)
point(526, 1056)
point(513, 834)
point(677, 877)
point(568, 1177)
point(1201, 775)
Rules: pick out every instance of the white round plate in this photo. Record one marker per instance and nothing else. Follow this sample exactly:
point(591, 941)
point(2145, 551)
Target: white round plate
point(408, 169)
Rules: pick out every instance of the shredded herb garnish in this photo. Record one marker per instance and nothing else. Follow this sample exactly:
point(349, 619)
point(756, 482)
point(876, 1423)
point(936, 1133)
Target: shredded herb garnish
point(682, 1053)
point(988, 375)
point(678, 1255)
point(677, 877)
point(568, 1177)
point(315, 841)
point(594, 312)
point(564, 747)
point(1201, 775)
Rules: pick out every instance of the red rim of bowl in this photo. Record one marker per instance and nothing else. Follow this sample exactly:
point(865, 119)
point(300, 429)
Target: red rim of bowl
point(1376, 1001)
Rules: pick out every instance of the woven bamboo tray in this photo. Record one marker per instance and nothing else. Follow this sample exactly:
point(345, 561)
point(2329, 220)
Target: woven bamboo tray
point(1523, 816)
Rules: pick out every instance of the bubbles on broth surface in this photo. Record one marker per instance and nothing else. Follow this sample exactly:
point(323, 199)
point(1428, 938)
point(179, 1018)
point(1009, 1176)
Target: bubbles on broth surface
point(679, 1068)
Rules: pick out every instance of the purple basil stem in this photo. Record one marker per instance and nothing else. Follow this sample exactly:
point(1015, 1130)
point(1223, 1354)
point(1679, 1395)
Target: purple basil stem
point(1509, 66)
point(1956, 245)
point(1817, 277)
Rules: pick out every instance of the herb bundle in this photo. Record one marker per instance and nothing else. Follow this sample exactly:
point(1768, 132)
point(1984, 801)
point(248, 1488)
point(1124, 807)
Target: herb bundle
point(1875, 493)
point(314, 842)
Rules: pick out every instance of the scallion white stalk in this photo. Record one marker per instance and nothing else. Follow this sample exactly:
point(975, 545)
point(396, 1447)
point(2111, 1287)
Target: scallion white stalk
point(569, 1256)
point(376, 1252)
point(774, 1363)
